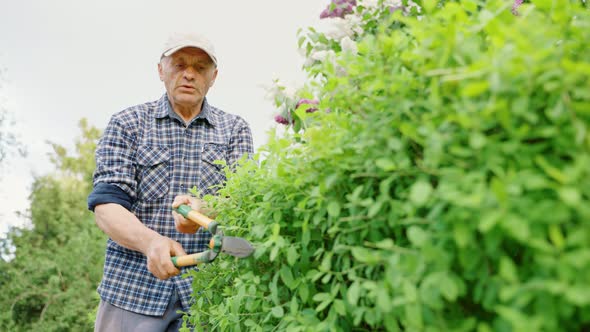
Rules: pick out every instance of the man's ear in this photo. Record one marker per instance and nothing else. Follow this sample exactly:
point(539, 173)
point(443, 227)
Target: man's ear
point(161, 71)
point(214, 78)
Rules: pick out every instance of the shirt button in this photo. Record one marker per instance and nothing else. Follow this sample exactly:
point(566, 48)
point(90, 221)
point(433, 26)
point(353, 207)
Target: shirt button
point(182, 186)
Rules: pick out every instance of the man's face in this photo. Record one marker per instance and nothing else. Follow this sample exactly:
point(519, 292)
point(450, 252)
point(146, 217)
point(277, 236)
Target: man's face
point(187, 74)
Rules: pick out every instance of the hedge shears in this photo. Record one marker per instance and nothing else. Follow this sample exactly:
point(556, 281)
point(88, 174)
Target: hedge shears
point(233, 246)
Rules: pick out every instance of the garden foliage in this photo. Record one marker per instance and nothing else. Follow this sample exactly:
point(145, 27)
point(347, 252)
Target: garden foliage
point(49, 271)
point(443, 184)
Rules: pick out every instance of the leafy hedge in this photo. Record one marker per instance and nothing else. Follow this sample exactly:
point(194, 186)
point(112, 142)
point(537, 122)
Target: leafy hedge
point(442, 185)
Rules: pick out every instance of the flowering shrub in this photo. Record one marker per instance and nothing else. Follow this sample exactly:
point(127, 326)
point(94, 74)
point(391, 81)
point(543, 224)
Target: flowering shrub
point(348, 22)
point(447, 189)
point(338, 8)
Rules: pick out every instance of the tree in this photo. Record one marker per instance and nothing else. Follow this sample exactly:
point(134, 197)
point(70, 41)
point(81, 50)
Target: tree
point(50, 284)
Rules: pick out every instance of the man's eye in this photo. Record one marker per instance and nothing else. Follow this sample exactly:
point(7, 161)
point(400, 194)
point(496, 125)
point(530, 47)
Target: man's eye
point(179, 65)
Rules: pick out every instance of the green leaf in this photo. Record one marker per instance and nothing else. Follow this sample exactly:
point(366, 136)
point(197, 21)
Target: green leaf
point(303, 291)
point(322, 297)
point(326, 264)
point(294, 306)
point(384, 301)
point(390, 323)
point(292, 255)
point(550, 170)
point(375, 209)
point(489, 221)
point(448, 288)
point(469, 5)
point(517, 227)
point(365, 255)
point(352, 295)
point(417, 236)
point(385, 164)
point(340, 307)
point(461, 234)
point(556, 236)
point(277, 216)
point(334, 209)
point(414, 316)
point(474, 89)
point(579, 295)
point(287, 277)
point(323, 305)
point(570, 196)
point(410, 292)
point(429, 5)
point(386, 244)
point(305, 237)
point(273, 253)
point(278, 311)
point(250, 323)
point(477, 141)
point(517, 318)
point(420, 192)
point(507, 270)
point(276, 229)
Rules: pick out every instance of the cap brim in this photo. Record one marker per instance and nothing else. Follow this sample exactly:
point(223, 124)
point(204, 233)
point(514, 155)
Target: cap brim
point(178, 48)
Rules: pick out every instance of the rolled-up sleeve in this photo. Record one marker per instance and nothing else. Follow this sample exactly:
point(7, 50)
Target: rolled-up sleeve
point(240, 142)
point(115, 165)
point(103, 193)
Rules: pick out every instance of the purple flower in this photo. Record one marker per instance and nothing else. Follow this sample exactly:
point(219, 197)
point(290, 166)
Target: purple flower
point(310, 102)
point(341, 8)
point(394, 8)
point(306, 101)
point(280, 119)
point(515, 6)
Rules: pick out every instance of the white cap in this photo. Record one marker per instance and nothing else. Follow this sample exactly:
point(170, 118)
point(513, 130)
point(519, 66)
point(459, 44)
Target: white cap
point(178, 41)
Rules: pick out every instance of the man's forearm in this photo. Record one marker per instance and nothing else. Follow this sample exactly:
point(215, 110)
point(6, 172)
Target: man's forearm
point(123, 227)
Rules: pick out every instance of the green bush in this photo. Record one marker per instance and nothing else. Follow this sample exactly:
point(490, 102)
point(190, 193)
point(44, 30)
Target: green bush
point(446, 189)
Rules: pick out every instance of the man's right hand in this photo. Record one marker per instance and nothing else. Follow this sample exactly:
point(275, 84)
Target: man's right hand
point(158, 253)
point(124, 228)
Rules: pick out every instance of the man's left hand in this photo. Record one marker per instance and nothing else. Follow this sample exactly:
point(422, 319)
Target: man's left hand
point(182, 224)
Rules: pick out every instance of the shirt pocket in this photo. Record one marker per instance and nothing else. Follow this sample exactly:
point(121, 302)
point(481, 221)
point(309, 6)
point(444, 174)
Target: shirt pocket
point(212, 173)
point(153, 172)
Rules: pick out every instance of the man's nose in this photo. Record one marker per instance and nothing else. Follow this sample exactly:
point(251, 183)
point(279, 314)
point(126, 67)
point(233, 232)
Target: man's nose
point(189, 73)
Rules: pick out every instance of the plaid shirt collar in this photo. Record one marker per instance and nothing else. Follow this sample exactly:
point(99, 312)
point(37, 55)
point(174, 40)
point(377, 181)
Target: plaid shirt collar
point(164, 109)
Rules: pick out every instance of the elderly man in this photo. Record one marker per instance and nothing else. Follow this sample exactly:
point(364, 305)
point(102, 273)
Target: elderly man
point(148, 157)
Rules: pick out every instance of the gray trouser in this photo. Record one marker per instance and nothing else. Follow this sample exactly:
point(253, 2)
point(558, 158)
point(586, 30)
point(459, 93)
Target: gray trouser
point(113, 319)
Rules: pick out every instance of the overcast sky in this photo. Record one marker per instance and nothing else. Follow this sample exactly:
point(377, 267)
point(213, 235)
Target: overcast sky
point(64, 60)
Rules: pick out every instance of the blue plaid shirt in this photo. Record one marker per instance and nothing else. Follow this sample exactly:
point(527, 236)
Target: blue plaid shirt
point(152, 155)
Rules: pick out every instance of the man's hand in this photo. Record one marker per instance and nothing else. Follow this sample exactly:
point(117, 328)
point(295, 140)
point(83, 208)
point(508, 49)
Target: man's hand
point(187, 226)
point(159, 252)
point(124, 228)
